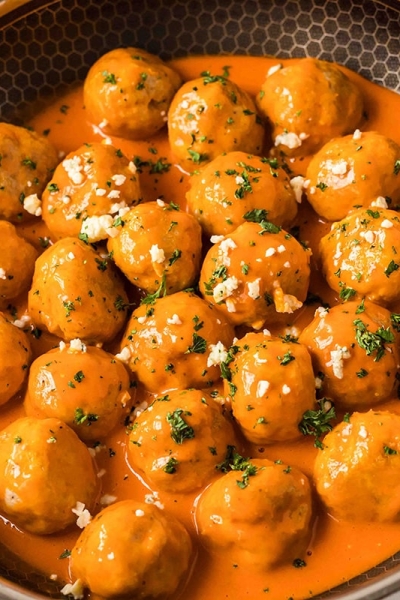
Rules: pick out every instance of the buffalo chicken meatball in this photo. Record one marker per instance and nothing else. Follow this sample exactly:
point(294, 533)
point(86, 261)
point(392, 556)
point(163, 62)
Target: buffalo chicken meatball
point(259, 512)
point(308, 103)
point(15, 357)
point(26, 164)
point(271, 384)
point(46, 473)
point(176, 342)
point(360, 256)
point(158, 244)
point(212, 115)
point(76, 292)
point(236, 185)
point(353, 172)
point(84, 386)
point(255, 273)
point(127, 93)
point(179, 440)
point(87, 192)
point(131, 549)
point(17, 263)
point(354, 349)
point(357, 472)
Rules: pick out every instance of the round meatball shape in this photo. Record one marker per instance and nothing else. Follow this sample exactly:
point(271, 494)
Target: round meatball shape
point(15, 358)
point(179, 440)
point(127, 93)
point(235, 186)
point(17, 263)
point(260, 513)
point(45, 470)
point(151, 552)
point(308, 103)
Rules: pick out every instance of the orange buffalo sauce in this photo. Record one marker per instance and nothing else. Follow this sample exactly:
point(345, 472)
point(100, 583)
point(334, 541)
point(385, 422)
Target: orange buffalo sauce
point(337, 551)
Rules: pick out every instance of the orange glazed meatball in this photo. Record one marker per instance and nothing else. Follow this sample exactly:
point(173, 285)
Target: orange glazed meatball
point(212, 115)
point(76, 292)
point(83, 386)
point(17, 262)
point(236, 185)
point(131, 549)
point(271, 384)
point(128, 91)
point(259, 512)
point(255, 273)
point(354, 349)
point(176, 342)
point(308, 103)
point(27, 161)
point(46, 472)
point(15, 357)
point(179, 440)
point(353, 172)
point(357, 472)
point(360, 256)
point(157, 244)
point(88, 190)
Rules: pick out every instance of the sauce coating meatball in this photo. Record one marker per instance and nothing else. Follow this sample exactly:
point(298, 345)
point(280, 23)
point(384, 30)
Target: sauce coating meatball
point(83, 386)
point(131, 549)
point(179, 440)
point(260, 512)
point(17, 263)
point(357, 471)
point(76, 292)
point(127, 93)
point(15, 357)
point(235, 185)
point(212, 115)
point(271, 384)
point(359, 256)
point(27, 160)
point(157, 244)
point(45, 470)
point(353, 172)
point(88, 190)
point(354, 349)
point(176, 342)
point(255, 273)
point(308, 103)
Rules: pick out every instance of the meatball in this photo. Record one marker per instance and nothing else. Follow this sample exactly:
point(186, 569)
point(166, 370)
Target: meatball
point(17, 263)
point(158, 244)
point(354, 349)
point(254, 273)
point(176, 342)
point(357, 471)
point(127, 93)
point(259, 512)
point(308, 103)
point(271, 384)
point(353, 172)
point(212, 115)
point(26, 163)
point(76, 292)
point(83, 386)
point(15, 357)
point(236, 185)
point(191, 437)
point(132, 549)
point(46, 473)
point(87, 192)
point(360, 256)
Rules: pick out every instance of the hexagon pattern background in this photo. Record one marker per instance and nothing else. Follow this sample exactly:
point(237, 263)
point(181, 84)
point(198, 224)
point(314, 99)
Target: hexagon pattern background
point(43, 50)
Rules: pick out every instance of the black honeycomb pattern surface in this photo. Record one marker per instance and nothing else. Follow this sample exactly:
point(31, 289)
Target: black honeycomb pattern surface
point(47, 46)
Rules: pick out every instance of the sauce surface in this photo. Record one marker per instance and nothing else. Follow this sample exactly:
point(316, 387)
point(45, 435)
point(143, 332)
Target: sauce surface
point(337, 551)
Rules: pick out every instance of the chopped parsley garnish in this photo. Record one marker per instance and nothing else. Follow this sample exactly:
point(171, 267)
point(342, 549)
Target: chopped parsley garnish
point(287, 358)
point(362, 373)
point(373, 342)
point(396, 169)
point(389, 451)
point(257, 215)
point(321, 186)
point(171, 465)
point(69, 307)
point(392, 266)
point(175, 255)
point(82, 417)
point(346, 294)
point(28, 162)
point(235, 462)
point(199, 345)
point(180, 430)
point(161, 291)
point(53, 188)
point(65, 554)
point(79, 376)
point(268, 227)
point(109, 77)
point(197, 157)
point(208, 78)
point(317, 422)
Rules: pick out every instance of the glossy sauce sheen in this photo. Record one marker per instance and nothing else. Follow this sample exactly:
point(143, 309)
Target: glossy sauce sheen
point(337, 551)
